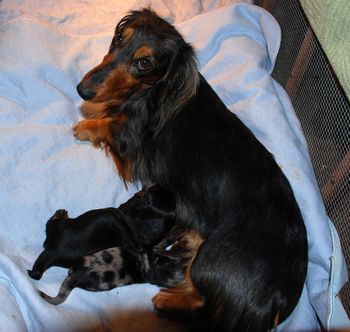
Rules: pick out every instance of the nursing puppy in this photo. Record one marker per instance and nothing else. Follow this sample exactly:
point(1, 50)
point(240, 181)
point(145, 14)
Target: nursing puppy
point(101, 271)
point(138, 224)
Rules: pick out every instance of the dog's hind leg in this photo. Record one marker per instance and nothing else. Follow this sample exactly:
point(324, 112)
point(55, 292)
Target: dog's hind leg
point(184, 297)
point(45, 260)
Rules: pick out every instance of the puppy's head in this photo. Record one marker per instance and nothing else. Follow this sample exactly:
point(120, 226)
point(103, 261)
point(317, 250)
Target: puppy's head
point(54, 226)
point(152, 201)
point(145, 51)
point(160, 200)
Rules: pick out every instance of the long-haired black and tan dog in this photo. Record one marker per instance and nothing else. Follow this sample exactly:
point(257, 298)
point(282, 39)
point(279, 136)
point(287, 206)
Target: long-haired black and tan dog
point(139, 224)
point(148, 105)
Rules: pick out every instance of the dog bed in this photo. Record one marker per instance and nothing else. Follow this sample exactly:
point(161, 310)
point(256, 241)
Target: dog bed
point(45, 48)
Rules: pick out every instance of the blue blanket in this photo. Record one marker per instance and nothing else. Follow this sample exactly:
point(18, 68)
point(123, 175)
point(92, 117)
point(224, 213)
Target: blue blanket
point(43, 168)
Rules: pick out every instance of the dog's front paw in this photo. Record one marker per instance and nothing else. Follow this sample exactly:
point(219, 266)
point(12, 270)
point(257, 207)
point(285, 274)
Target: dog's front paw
point(81, 131)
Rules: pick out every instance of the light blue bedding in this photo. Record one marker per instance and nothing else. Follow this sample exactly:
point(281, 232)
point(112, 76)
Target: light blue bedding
point(43, 168)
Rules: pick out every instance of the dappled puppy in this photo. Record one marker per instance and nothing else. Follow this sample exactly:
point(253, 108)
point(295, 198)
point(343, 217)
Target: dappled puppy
point(101, 271)
point(138, 224)
point(119, 266)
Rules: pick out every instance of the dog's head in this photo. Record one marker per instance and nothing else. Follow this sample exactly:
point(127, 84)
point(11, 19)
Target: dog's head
point(147, 57)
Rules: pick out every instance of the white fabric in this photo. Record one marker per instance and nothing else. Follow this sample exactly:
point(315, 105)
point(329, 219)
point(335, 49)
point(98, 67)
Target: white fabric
point(45, 48)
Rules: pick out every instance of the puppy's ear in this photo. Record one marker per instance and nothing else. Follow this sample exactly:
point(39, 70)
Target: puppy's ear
point(178, 85)
point(60, 214)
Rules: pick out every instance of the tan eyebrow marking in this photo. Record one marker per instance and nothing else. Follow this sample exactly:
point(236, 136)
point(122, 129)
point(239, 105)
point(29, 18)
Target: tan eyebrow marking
point(127, 33)
point(143, 52)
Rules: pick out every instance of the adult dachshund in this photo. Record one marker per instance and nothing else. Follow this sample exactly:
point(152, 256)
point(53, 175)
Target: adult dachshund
point(148, 105)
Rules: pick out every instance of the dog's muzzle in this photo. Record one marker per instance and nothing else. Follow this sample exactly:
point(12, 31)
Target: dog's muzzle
point(84, 92)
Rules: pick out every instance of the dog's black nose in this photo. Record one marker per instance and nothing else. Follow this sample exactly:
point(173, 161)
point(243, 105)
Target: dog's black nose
point(85, 92)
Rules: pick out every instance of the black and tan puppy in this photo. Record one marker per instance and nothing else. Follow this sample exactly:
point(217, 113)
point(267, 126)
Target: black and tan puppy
point(138, 224)
point(148, 105)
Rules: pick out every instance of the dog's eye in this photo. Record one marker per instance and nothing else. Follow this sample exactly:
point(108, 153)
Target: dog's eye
point(144, 64)
point(119, 37)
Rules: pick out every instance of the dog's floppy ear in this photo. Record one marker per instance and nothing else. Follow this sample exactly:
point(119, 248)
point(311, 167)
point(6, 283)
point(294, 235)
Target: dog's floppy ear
point(177, 87)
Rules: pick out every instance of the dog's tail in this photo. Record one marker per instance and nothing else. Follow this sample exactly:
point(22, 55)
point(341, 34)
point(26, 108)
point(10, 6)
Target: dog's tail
point(63, 293)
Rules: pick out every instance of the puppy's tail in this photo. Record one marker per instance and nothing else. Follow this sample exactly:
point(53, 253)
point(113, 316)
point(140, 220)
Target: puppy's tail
point(63, 293)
